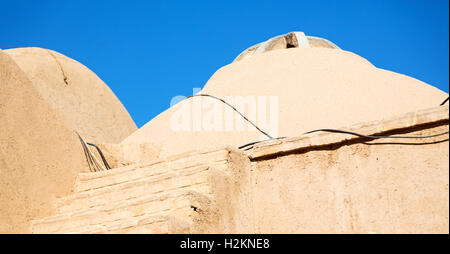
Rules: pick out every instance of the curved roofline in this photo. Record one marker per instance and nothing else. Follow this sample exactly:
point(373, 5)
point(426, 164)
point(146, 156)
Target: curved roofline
point(301, 41)
point(320, 38)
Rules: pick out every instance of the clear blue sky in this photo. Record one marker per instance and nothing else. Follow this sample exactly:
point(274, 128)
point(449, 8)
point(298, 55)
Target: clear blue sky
point(150, 51)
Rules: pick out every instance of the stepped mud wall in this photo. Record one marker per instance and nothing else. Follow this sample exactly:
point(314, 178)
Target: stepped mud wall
point(315, 183)
point(178, 195)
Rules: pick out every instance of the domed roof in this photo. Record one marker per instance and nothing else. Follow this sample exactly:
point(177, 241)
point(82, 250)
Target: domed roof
point(40, 154)
point(44, 98)
point(285, 41)
point(313, 88)
point(76, 93)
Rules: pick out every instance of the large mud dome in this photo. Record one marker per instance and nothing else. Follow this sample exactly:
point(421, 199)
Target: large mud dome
point(44, 98)
point(314, 87)
point(76, 93)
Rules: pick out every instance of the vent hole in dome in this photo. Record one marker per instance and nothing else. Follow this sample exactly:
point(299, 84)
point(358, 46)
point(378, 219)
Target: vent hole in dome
point(290, 46)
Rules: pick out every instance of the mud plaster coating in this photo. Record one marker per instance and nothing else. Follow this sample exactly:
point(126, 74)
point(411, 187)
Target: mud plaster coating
point(357, 188)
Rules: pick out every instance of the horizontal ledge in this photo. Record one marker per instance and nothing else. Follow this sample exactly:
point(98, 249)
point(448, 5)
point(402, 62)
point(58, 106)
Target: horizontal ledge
point(318, 139)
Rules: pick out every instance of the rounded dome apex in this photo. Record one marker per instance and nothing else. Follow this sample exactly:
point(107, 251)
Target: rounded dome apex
point(285, 41)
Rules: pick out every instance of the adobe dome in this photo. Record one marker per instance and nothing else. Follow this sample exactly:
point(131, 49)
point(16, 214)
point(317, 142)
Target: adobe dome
point(76, 93)
point(315, 87)
point(44, 98)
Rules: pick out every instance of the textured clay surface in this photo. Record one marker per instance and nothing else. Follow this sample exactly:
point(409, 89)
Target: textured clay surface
point(315, 87)
point(376, 187)
point(40, 155)
point(76, 93)
point(44, 98)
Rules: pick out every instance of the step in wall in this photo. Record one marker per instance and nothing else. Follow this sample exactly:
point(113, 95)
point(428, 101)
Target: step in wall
point(193, 178)
point(138, 198)
point(88, 181)
point(150, 214)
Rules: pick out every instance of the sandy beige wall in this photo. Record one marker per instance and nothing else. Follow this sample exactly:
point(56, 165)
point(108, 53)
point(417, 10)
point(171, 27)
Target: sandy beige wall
point(355, 188)
point(40, 155)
